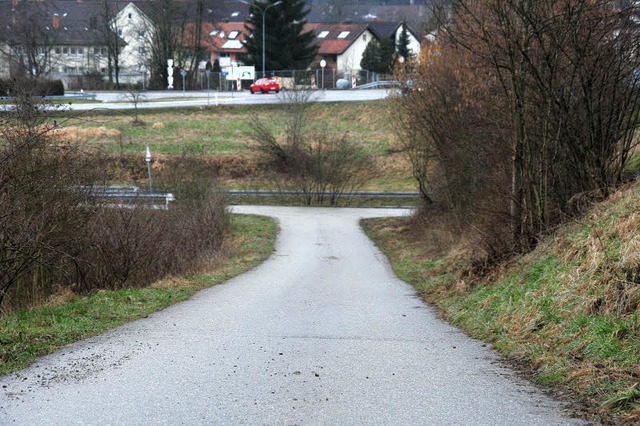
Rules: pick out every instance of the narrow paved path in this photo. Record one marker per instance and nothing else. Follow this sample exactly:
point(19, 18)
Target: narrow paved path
point(322, 333)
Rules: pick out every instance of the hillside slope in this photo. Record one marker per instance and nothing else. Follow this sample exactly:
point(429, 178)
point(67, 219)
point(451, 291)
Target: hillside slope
point(567, 312)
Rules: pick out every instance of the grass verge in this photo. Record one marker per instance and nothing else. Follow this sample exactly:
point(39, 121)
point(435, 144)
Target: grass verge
point(27, 335)
point(567, 314)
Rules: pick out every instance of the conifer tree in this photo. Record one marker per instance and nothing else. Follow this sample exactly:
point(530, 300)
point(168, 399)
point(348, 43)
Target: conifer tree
point(286, 45)
point(377, 56)
point(402, 45)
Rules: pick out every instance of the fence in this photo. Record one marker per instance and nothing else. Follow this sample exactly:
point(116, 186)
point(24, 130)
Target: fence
point(317, 78)
point(321, 78)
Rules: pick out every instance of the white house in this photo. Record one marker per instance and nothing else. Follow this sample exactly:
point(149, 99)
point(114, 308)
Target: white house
point(341, 45)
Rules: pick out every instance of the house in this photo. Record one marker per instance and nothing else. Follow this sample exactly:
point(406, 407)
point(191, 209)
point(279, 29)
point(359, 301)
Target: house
point(340, 45)
point(136, 28)
point(225, 43)
point(393, 30)
point(49, 38)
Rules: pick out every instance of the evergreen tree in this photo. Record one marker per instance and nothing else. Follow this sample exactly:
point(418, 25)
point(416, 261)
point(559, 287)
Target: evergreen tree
point(286, 45)
point(377, 56)
point(370, 55)
point(402, 46)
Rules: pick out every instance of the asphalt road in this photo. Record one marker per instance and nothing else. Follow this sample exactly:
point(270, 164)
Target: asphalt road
point(321, 333)
point(176, 99)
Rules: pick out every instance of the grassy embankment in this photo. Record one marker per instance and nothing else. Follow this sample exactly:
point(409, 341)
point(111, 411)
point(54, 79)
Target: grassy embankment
point(568, 312)
point(68, 317)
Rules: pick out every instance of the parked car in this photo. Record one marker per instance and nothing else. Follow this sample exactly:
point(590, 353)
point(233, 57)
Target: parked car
point(265, 85)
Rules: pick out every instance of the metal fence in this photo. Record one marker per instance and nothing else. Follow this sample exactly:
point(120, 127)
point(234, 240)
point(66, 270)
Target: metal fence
point(320, 78)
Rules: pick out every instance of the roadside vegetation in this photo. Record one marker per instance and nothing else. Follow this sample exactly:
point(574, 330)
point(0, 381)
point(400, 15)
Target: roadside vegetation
point(521, 123)
point(55, 236)
point(67, 316)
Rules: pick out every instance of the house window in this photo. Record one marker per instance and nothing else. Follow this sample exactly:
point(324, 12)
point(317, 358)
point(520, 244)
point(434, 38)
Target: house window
point(80, 50)
point(96, 50)
point(141, 33)
point(141, 50)
point(233, 34)
point(73, 51)
point(58, 50)
point(65, 50)
point(130, 16)
point(343, 34)
point(104, 50)
point(323, 34)
point(120, 32)
point(364, 37)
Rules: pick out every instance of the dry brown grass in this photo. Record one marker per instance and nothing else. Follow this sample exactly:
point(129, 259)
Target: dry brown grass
point(172, 282)
point(60, 298)
point(607, 259)
point(83, 134)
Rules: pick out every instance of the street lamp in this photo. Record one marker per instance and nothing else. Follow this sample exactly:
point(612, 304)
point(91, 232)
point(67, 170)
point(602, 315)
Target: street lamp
point(264, 14)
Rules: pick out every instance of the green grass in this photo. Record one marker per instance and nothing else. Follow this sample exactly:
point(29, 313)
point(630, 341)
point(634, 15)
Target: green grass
point(26, 335)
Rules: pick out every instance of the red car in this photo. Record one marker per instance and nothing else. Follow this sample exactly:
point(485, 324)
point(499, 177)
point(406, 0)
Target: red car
point(265, 85)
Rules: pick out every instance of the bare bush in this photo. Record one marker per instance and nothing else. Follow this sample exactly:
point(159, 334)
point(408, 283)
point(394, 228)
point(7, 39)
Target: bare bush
point(54, 237)
point(321, 165)
point(518, 106)
point(43, 199)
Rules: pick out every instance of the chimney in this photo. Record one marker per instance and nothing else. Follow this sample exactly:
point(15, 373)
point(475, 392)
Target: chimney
point(56, 21)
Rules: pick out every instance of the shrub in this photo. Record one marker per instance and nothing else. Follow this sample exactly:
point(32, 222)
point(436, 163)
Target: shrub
point(31, 86)
point(321, 165)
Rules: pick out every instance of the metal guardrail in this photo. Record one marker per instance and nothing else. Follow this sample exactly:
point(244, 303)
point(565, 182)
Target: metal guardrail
point(129, 196)
point(349, 194)
point(379, 84)
point(70, 96)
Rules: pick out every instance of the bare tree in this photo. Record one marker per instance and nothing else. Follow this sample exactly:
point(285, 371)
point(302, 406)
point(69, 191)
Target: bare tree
point(136, 95)
point(567, 73)
point(29, 36)
point(176, 34)
point(107, 26)
point(321, 165)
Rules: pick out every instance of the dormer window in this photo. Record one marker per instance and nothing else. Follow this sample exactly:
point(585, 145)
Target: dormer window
point(233, 35)
point(323, 34)
point(343, 34)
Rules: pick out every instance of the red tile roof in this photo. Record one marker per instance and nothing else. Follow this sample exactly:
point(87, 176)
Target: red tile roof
point(218, 35)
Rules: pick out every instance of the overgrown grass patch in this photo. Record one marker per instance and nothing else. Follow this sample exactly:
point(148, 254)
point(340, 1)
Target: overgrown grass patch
point(26, 335)
point(221, 135)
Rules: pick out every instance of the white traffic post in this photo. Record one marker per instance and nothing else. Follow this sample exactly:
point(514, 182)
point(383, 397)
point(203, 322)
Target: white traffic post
point(148, 160)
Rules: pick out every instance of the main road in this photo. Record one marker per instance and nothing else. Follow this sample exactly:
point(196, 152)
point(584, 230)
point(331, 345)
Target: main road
point(176, 99)
point(322, 333)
